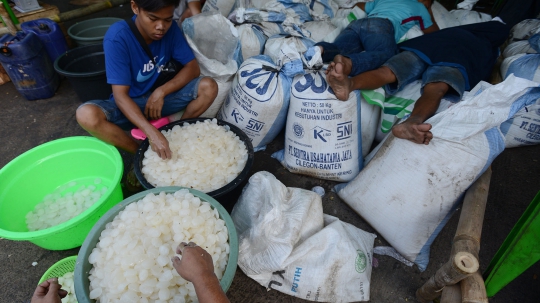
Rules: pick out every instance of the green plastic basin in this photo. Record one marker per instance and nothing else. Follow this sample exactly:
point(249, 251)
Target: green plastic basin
point(83, 267)
point(42, 170)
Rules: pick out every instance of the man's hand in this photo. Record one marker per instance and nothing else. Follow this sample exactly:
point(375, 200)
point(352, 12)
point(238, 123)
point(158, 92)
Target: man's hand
point(196, 263)
point(152, 111)
point(49, 292)
point(159, 144)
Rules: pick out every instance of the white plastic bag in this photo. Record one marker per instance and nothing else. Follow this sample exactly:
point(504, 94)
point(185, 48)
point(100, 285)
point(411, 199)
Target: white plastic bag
point(323, 136)
point(271, 220)
point(407, 191)
point(285, 245)
point(215, 44)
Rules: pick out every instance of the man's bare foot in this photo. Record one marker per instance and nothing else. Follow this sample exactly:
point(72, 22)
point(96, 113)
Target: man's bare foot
point(338, 81)
point(413, 130)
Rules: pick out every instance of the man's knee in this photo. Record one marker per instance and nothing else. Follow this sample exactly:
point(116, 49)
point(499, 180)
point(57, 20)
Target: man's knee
point(89, 116)
point(387, 74)
point(208, 87)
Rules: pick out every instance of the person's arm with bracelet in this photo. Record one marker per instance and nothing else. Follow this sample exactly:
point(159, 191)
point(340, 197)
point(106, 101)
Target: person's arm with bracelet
point(196, 266)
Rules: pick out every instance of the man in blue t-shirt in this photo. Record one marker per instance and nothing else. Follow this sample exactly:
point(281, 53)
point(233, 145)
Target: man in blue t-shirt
point(132, 74)
point(367, 43)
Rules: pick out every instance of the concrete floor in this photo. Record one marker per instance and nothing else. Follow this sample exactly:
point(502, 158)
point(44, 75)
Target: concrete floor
point(26, 124)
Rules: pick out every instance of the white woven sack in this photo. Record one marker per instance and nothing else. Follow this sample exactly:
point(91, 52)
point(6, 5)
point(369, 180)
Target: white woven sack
point(524, 30)
point(252, 40)
point(523, 128)
point(224, 7)
point(518, 47)
point(319, 29)
point(407, 191)
point(323, 136)
point(258, 100)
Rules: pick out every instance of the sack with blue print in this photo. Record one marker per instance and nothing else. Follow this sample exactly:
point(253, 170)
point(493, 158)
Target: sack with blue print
point(408, 191)
point(323, 136)
point(523, 128)
point(224, 7)
point(258, 100)
point(319, 10)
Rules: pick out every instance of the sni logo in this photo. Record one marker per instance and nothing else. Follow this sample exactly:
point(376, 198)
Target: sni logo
point(344, 130)
point(255, 125)
point(237, 116)
point(321, 133)
point(298, 130)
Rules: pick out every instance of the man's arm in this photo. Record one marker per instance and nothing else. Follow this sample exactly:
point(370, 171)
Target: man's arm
point(129, 108)
point(197, 267)
point(433, 27)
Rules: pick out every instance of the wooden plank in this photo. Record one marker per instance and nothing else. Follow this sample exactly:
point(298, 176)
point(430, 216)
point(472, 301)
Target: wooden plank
point(46, 11)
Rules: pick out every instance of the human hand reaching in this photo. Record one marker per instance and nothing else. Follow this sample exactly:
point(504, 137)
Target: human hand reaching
point(49, 292)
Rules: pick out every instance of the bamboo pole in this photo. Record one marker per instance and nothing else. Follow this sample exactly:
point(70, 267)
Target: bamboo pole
point(80, 12)
point(473, 289)
point(451, 294)
point(460, 266)
point(464, 254)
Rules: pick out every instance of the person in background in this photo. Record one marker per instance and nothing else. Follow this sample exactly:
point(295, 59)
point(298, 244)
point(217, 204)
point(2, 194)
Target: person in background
point(369, 42)
point(132, 74)
point(196, 266)
point(448, 62)
point(186, 9)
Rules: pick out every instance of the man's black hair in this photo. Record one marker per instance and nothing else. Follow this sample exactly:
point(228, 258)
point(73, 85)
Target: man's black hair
point(155, 5)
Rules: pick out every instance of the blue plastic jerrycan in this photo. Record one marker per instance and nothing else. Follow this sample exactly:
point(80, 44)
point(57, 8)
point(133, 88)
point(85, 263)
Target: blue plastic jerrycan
point(50, 34)
point(25, 60)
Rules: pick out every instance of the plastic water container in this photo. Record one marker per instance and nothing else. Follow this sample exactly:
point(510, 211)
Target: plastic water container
point(50, 34)
point(25, 60)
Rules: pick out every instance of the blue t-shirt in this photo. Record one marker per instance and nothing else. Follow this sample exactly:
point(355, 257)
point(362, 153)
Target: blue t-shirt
point(403, 14)
point(126, 62)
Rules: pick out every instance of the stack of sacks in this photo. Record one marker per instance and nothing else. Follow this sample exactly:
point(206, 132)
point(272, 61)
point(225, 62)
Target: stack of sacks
point(215, 43)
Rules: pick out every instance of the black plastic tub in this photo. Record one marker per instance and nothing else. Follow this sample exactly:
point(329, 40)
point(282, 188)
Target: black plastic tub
point(139, 156)
point(84, 67)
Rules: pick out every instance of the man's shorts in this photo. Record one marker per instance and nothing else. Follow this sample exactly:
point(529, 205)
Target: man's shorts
point(172, 104)
point(408, 67)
